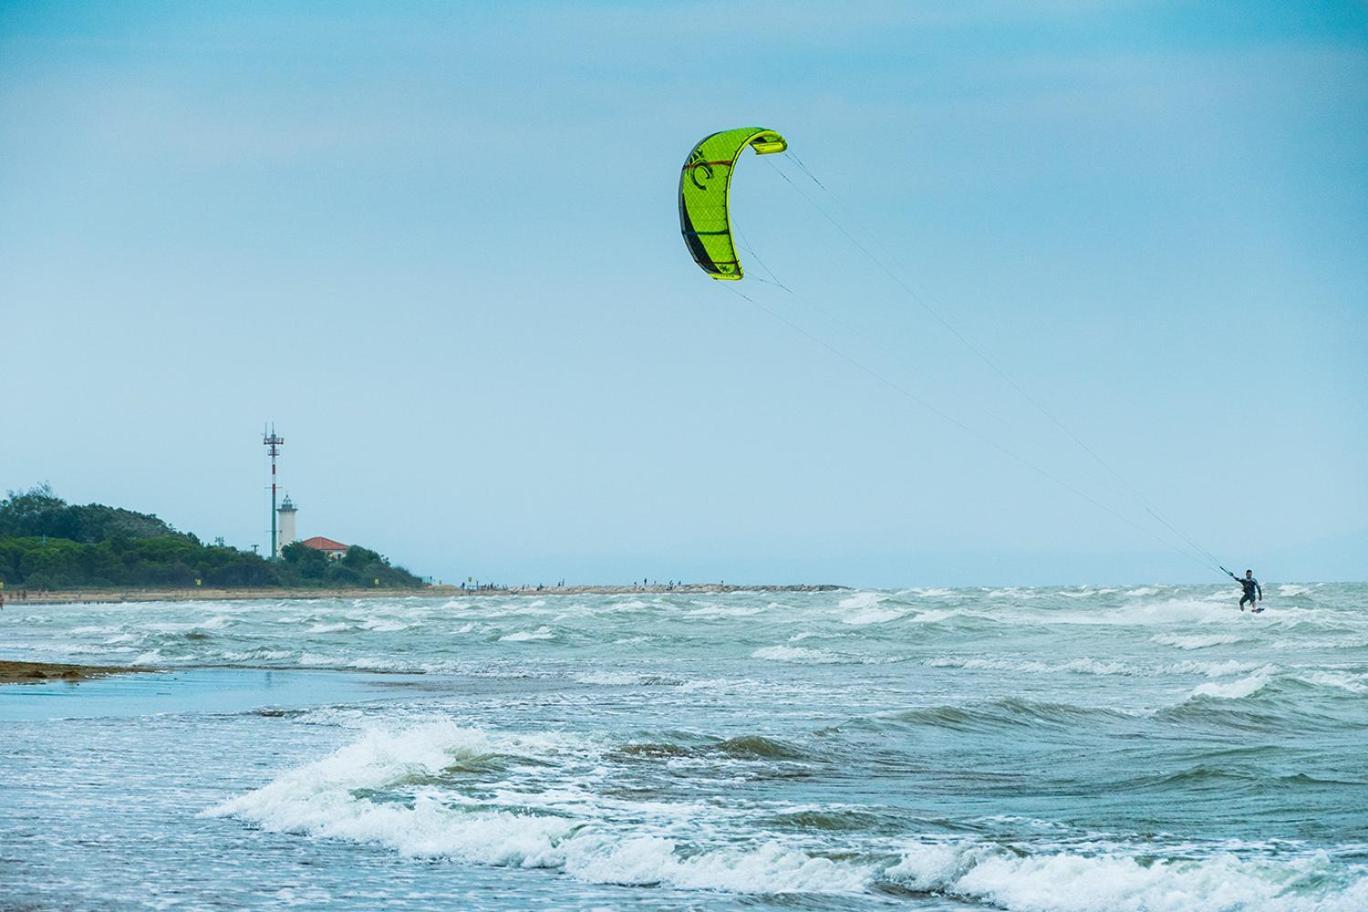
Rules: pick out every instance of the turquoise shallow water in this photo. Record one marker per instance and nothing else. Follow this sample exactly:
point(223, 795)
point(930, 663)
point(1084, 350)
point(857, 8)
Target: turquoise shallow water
point(1028, 749)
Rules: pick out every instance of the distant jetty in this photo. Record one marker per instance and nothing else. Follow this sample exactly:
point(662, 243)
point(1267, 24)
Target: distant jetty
point(14, 601)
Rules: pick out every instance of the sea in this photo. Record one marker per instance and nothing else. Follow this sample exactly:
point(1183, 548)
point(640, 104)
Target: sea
point(1093, 749)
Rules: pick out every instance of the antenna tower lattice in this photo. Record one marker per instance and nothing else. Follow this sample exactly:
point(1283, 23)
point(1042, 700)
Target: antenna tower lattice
point(273, 442)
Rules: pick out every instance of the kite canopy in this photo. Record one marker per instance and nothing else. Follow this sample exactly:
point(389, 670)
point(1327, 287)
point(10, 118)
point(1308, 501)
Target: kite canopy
point(704, 190)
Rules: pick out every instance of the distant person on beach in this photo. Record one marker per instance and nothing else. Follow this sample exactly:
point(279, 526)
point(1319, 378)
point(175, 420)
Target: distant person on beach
point(1251, 589)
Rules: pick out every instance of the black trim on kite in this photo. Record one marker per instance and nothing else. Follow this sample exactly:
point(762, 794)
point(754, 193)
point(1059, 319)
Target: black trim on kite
point(696, 248)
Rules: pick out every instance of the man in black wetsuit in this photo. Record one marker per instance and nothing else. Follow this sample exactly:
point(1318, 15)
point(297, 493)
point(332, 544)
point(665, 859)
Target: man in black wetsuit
point(1251, 587)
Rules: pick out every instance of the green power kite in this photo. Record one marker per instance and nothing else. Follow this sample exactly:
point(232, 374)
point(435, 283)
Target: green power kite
point(705, 189)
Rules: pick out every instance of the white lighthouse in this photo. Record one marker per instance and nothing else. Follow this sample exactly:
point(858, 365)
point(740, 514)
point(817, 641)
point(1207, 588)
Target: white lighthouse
point(285, 528)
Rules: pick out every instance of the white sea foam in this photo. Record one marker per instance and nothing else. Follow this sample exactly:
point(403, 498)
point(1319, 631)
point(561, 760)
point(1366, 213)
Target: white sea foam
point(768, 868)
point(1353, 683)
point(1195, 641)
point(797, 654)
point(872, 614)
point(1108, 882)
point(523, 636)
point(82, 631)
point(721, 610)
point(255, 654)
point(327, 799)
point(1080, 593)
point(1168, 611)
point(1233, 690)
point(1175, 611)
point(378, 663)
point(330, 628)
point(1211, 669)
point(860, 600)
point(381, 625)
point(609, 678)
point(1032, 666)
point(620, 678)
point(1309, 643)
point(1291, 589)
point(216, 622)
point(314, 660)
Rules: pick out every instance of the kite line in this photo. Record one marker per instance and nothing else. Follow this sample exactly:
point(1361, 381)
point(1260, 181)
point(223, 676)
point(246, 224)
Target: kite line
point(1207, 558)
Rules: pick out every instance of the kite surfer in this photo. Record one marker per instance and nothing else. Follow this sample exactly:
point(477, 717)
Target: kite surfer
point(1251, 589)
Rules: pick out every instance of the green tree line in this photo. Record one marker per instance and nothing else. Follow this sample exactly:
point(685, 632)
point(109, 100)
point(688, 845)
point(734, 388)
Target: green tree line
point(46, 543)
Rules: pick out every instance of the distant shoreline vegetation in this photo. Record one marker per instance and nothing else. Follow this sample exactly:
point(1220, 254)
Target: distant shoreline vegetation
point(47, 543)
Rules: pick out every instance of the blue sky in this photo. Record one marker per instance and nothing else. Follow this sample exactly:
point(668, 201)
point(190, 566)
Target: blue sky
point(437, 245)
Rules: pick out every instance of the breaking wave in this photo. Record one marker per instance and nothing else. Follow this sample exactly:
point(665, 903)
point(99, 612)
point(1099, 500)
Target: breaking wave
point(1232, 690)
point(1108, 881)
point(399, 790)
point(386, 789)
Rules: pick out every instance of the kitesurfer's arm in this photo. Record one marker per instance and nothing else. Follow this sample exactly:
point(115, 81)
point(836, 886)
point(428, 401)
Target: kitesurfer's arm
point(1258, 589)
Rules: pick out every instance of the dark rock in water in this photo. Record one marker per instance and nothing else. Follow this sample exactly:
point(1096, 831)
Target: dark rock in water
point(40, 672)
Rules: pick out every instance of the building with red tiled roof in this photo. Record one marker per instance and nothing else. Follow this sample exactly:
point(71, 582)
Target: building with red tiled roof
point(333, 549)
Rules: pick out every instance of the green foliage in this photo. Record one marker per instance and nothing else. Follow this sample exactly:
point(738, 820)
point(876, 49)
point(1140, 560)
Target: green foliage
point(46, 543)
point(360, 567)
point(39, 512)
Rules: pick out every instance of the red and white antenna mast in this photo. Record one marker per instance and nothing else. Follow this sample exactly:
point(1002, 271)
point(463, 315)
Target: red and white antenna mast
point(273, 442)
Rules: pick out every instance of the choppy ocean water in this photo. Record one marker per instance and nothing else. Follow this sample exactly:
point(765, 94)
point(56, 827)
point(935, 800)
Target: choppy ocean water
point(1025, 749)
